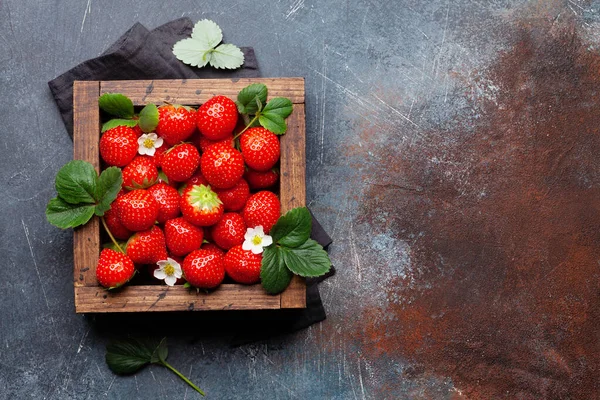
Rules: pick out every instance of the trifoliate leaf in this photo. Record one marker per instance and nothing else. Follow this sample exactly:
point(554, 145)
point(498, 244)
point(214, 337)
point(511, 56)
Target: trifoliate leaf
point(208, 32)
point(64, 215)
point(293, 228)
point(307, 260)
point(109, 185)
point(226, 56)
point(250, 97)
point(274, 275)
point(281, 106)
point(273, 123)
point(76, 182)
point(113, 123)
point(149, 118)
point(116, 104)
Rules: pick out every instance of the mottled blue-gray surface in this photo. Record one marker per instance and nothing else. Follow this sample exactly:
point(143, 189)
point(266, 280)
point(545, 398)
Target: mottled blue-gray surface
point(394, 91)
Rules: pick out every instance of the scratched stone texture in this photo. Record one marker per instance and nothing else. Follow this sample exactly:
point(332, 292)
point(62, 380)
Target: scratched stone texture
point(452, 155)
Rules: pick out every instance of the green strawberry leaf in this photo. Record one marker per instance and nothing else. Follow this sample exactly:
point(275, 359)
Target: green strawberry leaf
point(307, 260)
point(293, 228)
point(281, 106)
point(251, 98)
point(226, 56)
point(65, 215)
point(113, 123)
point(109, 185)
point(149, 118)
point(273, 122)
point(116, 104)
point(274, 275)
point(76, 182)
point(128, 356)
point(161, 352)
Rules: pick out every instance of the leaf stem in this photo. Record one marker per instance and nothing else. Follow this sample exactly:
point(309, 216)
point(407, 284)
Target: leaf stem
point(110, 235)
point(247, 126)
point(179, 374)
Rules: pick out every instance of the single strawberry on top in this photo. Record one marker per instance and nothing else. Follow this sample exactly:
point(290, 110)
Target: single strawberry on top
point(260, 148)
point(222, 166)
point(242, 266)
point(203, 269)
point(114, 269)
point(229, 231)
point(180, 162)
point(182, 237)
point(118, 146)
point(140, 173)
point(262, 208)
point(176, 123)
point(147, 247)
point(216, 119)
point(200, 205)
point(137, 210)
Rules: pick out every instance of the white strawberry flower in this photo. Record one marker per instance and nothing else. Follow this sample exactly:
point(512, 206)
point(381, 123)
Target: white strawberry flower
point(148, 143)
point(255, 240)
point(169, 270)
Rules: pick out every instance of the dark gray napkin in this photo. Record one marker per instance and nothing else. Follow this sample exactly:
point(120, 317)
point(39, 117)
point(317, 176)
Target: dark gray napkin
point(144, 54)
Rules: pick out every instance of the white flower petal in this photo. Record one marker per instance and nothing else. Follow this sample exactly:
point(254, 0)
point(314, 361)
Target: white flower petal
point(267, 241)
point(170, 280)
point(247, 245)
point(258, 230)
point(249, 234)
point(141, 140)
point(162, 263)
point(152, 135)
point(256, 249)
point(150, 151)
point(158, 141)
point(159, 274)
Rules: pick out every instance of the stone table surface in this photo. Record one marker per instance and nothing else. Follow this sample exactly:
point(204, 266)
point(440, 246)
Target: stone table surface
point(452, 154)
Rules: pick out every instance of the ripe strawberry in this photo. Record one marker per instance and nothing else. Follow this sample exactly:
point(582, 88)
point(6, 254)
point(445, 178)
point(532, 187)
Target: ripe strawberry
point(262, 208)
point(222, 166)
point(167, 198)
point(114, 268)
point(200, 205)
point(261, 179)
point(137, 210)
point(147, 247)
point(213, 248)
point(216, 119)
point(175, 123)
point(229, 231)
point(234, 199)
point(203, 269)
point(260, 148)
point(204, 142)
point(111, 217)
point(196, 179)
point(242, 266)
point(118, 146)
point(180, 162)
point(182, 237)
point(140, 173)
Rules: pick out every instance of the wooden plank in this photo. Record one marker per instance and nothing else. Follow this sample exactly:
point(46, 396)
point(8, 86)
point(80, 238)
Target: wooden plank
point(177, 298)
point(198, 91)
point(86, 136)
point(293, 190)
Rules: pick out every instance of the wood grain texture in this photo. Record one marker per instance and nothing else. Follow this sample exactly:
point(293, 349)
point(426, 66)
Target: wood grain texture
point(89, 296)
point(198, 91)
point(293, 190)
point(86, 136)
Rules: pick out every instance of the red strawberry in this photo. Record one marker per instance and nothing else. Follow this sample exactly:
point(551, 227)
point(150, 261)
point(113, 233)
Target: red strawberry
point(180, 162)
point(200, 205)
point(111, 217)
point(147, 247)
point(118, 146)
point(140, 173)
point(229, 231)
point(203, 269)
point(197, 179)
point(213, 248)
point(182, 237)
point(216, 119)
point(175, 123)
point(167, 198)
point(242, 266)
point(262, 208)
point(114, 269)
point(138, 210)
point(260, 148)
point(261, 179)
point(204, 142)
point(234, 198)
point(222, 166)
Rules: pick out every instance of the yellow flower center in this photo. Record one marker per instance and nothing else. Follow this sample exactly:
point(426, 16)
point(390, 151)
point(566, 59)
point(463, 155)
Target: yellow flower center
point(257, 240)
point(148, 143)
point(169, 269)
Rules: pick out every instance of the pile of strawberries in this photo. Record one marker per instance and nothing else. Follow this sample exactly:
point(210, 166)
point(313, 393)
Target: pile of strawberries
point(189, 196)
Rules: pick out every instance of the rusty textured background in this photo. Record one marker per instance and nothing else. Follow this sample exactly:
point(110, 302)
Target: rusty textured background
point(453, 155)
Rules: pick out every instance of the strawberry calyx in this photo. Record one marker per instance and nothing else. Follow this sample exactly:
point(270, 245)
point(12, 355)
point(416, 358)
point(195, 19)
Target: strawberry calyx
point(202, 197)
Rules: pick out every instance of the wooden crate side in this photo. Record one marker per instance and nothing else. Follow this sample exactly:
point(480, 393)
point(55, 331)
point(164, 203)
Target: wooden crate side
point(198, 91)
point(86, 135)
point(175, 298)
point(293, 190)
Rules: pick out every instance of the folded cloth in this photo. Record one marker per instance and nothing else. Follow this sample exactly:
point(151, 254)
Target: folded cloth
point(144, 54)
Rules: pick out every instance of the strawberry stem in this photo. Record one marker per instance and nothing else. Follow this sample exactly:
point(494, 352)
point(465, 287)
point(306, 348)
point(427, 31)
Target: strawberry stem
point(179, 374)
point(247, 126)
point(110, 235)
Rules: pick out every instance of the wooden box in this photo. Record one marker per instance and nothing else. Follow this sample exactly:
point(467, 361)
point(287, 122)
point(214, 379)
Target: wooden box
point(90, 297)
